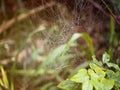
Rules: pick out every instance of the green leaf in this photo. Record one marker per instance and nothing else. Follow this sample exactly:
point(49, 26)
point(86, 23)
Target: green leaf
point(112, 27)
point(108, 83)
point(105, 58)
point(74, 38)
point(68, 85)
point(85, 36)
point(92, 74)
point(89, 41)
point(66, 58)
point(87, 85)
point(100, 83)
point(110, 73)
point(1, 82)
point(117, 79)
point(56, 53)
point(80, 77)
point(96, 61)
point(99, 72)
point(60, 52)
point(113, 65)
point(114, 76)
point(71, 42)
point(93, 66)
point(52, 57)
point(83, 65)
point(95, 80)
point(46, 86)
point(4, 78)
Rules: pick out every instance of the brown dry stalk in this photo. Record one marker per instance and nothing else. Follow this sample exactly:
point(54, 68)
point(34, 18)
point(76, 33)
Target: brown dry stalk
point(116, 17)
point(110, 11)
point(98, 7)
point(8, 24)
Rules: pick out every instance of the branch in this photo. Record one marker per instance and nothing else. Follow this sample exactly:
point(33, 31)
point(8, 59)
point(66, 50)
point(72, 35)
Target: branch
point(8, 24)
point(116, 17)
point(96, 5)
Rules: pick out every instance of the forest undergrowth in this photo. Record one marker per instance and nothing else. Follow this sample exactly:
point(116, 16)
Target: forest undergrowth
point(44, 42)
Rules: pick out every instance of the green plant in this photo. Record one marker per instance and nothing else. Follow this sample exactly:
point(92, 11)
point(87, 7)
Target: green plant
point(99, 76)
point(56, 60)
point(4, 80)
point(4, 83)
point(60, 55)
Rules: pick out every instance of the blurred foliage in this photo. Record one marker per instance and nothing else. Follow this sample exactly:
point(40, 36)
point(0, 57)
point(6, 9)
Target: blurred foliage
point(56, 60)
point(4, 82)
point(58, 54)
point(98, 77)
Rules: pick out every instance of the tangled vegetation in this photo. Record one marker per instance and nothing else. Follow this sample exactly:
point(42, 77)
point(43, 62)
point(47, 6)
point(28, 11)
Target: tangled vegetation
point(58, 45)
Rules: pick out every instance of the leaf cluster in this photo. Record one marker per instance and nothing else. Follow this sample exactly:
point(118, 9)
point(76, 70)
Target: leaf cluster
point(99, 76)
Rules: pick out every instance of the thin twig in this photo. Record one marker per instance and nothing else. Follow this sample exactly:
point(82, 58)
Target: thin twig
point(8, 24)
point(110, 11)
point(116, 17)
point(98, 7)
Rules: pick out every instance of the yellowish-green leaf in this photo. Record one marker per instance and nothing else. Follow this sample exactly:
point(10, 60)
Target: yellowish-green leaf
point(1, 82)
point(4, 78)
point(92, 74)
point(108, 84)
point(95, 80)
point(92, 66)
point(68, 85)
point(87, 85)
point(80, 77)
point(99, 71)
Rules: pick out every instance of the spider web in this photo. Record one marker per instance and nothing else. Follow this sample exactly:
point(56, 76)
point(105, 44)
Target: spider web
point(65, 20)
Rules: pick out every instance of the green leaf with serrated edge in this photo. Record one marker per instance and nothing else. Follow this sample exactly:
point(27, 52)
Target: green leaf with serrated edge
point(105, 58)
point(80, 77)
point(69, 85)
point(87, 85)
